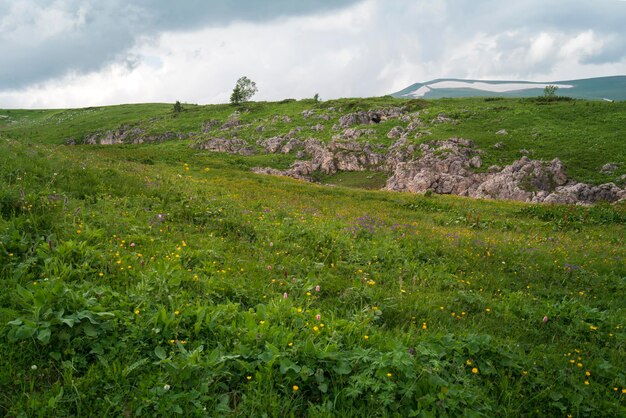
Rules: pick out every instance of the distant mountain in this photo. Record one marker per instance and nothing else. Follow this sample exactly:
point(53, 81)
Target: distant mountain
point(601, 88)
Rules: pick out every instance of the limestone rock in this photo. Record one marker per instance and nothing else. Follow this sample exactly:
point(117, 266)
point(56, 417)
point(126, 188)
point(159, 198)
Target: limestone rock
point(609, 168)
point(395, 132)
point(231, 146)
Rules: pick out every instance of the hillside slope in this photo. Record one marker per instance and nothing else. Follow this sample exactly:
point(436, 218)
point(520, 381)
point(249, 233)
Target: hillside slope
point(163, 279)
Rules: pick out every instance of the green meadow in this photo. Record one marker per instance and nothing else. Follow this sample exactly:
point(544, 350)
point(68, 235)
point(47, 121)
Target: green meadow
point(164, 280)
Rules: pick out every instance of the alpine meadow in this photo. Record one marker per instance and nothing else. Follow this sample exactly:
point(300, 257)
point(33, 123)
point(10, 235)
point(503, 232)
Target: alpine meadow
point(147, 270)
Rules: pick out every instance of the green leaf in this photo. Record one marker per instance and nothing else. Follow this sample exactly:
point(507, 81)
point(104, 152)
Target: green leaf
point(44, 335)
point(160, 353)
point(342, 368)
point(24, 332)
point(286, 365)
point(90, 331)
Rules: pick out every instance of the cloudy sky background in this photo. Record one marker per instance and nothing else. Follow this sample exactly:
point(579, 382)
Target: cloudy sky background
point(75, 53)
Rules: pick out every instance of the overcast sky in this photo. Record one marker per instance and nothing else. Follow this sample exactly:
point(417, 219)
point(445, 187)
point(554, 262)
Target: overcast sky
point(75, 53)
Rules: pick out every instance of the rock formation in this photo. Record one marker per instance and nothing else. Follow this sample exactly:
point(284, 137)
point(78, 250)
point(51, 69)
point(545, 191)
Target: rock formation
point(444, 167)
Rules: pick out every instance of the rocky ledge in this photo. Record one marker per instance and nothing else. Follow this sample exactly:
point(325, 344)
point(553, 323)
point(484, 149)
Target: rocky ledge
point(125, 135)
point(444, 167)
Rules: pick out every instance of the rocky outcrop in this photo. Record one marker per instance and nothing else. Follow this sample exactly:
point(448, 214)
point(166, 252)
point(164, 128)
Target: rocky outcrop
point(126, 135)
point(351, 134)
point(445, 168)
point(280, 144)
point(370, 116)
point(609, 168)
point(231, 146)
point(328, 158)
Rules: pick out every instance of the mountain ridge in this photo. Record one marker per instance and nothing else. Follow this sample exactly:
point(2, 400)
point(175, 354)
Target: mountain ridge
point(611, 88)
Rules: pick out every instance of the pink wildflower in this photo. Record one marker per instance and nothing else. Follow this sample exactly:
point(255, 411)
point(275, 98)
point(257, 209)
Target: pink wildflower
point(317, 288)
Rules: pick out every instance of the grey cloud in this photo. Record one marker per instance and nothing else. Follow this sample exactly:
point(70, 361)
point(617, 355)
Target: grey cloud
point(613, 51)
point(514, 25)
point(102, 31)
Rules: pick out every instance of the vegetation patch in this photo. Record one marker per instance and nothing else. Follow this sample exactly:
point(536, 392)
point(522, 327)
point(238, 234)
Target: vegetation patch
point(360, 179)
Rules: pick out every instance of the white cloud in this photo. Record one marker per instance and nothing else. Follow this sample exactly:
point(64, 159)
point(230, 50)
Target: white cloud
point(371, 48)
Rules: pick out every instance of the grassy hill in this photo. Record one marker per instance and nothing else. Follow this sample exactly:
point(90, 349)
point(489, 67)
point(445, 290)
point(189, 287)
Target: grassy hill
point(612, 88)
point(164, 280)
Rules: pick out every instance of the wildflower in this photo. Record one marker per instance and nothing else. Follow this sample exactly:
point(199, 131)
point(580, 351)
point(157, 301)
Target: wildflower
point(366, 337)
point(468, 362)
point(101, 274)
point(176, 312)
point(587, 373)
point(308, 293)
point(316, 329)
point(545, 319)
point(593, 328)
point(424, 326)
point(623, 391)
point(317, 288)
point(166, 387)
point(132, 244)
point(579, 364)
point(295, 388)
point(33, 367)
point(318, 317)
point(290, 344)
point(299, 310)
point(285, 295)
point(249, 377)
point(586, 382)
point(371, 282)
point(261, 322)
point(389, 374)
point(488, 310)
point(137, 311)
point(524, 372)
point(475, 370)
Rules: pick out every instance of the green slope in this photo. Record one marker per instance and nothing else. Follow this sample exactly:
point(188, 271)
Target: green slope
point(162, 280)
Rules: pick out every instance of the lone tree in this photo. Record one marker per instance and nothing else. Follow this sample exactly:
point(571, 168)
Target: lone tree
point(178, 107)
point(243, 91)
point(550, 91)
